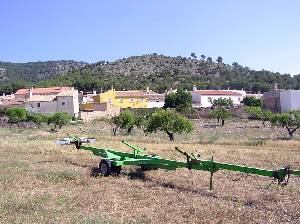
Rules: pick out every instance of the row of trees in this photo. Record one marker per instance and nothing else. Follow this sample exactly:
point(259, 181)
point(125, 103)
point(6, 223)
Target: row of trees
point(168, 121)
point(19, 114)
point(288, 120)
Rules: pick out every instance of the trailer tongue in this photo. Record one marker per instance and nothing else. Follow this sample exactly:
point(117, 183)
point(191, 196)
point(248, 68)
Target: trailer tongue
point(112, 162)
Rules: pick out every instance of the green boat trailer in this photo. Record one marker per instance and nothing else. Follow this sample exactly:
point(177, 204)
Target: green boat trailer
point(112, 162)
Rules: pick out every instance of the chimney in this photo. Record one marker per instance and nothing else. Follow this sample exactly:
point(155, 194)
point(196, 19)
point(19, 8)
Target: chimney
point(112, 88)
point(94, 92)
point(30, 92)
point(228, 88)
point(194, 87)
point(275, 86)
point(147, 89)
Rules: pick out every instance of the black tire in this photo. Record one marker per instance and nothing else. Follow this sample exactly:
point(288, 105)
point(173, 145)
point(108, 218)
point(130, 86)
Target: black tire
point(116, 169)
point(104, 168)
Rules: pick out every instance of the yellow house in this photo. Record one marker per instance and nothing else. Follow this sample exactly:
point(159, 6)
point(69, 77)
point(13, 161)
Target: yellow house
point(123, 99)
point(127, 99)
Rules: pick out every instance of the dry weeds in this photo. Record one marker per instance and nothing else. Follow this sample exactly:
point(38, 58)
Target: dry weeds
point(44, 183)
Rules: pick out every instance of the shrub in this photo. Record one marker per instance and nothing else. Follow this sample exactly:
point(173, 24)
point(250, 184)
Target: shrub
point(59, 119)
point(251, 101)
point(16, 115)
point(169, 122)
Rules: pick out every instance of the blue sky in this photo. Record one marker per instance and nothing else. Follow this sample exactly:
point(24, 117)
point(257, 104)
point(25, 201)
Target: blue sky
point(255, 33)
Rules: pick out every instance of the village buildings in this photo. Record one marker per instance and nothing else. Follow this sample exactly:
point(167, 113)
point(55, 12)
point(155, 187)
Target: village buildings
point(128, 99)
point(282, 100)
point(46, 100)
point(205, 98)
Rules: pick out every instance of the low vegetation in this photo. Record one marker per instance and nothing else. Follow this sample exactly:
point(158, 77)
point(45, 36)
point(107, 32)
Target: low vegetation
point(41, 182)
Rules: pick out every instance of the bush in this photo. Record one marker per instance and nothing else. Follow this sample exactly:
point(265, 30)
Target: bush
point(169, 122)
point(16, 114)
point(222, 102)
point(59, 119)
point(181, 101)
point(251, 101)
point(38, 118)
point(259, 114)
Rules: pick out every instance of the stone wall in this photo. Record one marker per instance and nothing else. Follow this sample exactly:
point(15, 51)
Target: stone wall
point(92, 115)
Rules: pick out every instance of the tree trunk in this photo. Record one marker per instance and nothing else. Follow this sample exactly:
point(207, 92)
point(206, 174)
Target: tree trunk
point(223, 122)
point(114, 131)
point(171, 136)
point(60, 126)
point(218, 120)
point(129, 130)
point(53, 129)
point(291, 131)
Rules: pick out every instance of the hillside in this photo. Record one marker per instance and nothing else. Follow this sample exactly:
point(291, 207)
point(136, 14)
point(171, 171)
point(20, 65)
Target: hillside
point(163, 72)
point(159, 72)
point(36, 71)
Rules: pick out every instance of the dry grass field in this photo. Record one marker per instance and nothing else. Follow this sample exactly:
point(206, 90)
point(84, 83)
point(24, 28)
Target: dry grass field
point(41, 182)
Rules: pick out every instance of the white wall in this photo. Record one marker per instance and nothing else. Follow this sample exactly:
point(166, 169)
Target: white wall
point(289, 100)
point(154, 104)
point(199, 100)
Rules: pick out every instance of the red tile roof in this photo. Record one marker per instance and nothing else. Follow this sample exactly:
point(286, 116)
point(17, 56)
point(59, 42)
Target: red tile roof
point(50, 90)
point(217, 92)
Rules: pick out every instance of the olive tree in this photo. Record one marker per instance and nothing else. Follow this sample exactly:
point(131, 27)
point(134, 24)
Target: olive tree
point(126, 120)
point(168, 121)
point(259, 114)
point(288, 120)
point(220, 114)
point(59, 119)
point(222, 102)
point(16, 115)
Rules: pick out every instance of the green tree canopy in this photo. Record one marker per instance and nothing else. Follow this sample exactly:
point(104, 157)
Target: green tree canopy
point(288, 120)
point(258, 113)
point(168, 121)
point(59, 119)
point(222, 102)
point(180, 100)
point(251, 101)
point(221, 114)
point(16, 114)
point(126, 120)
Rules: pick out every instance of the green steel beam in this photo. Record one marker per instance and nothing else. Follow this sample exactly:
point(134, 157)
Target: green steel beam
point(139, 158)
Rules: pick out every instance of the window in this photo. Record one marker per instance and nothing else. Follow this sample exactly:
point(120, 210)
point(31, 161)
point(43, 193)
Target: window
point(131, 100)
point(142, 99)
point(38, 104)
point(109, 100)
point(63, 103)
point(121, 100)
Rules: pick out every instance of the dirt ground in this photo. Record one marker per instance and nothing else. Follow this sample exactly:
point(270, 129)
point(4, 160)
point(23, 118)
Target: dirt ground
point(41, 182)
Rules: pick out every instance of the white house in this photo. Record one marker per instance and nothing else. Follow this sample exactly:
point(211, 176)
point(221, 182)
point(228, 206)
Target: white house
point(282, 100)
point(155, 100)
point(204, 98)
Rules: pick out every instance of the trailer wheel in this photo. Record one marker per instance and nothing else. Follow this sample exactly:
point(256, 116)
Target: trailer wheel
point(104, 168)
point(116, 169)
